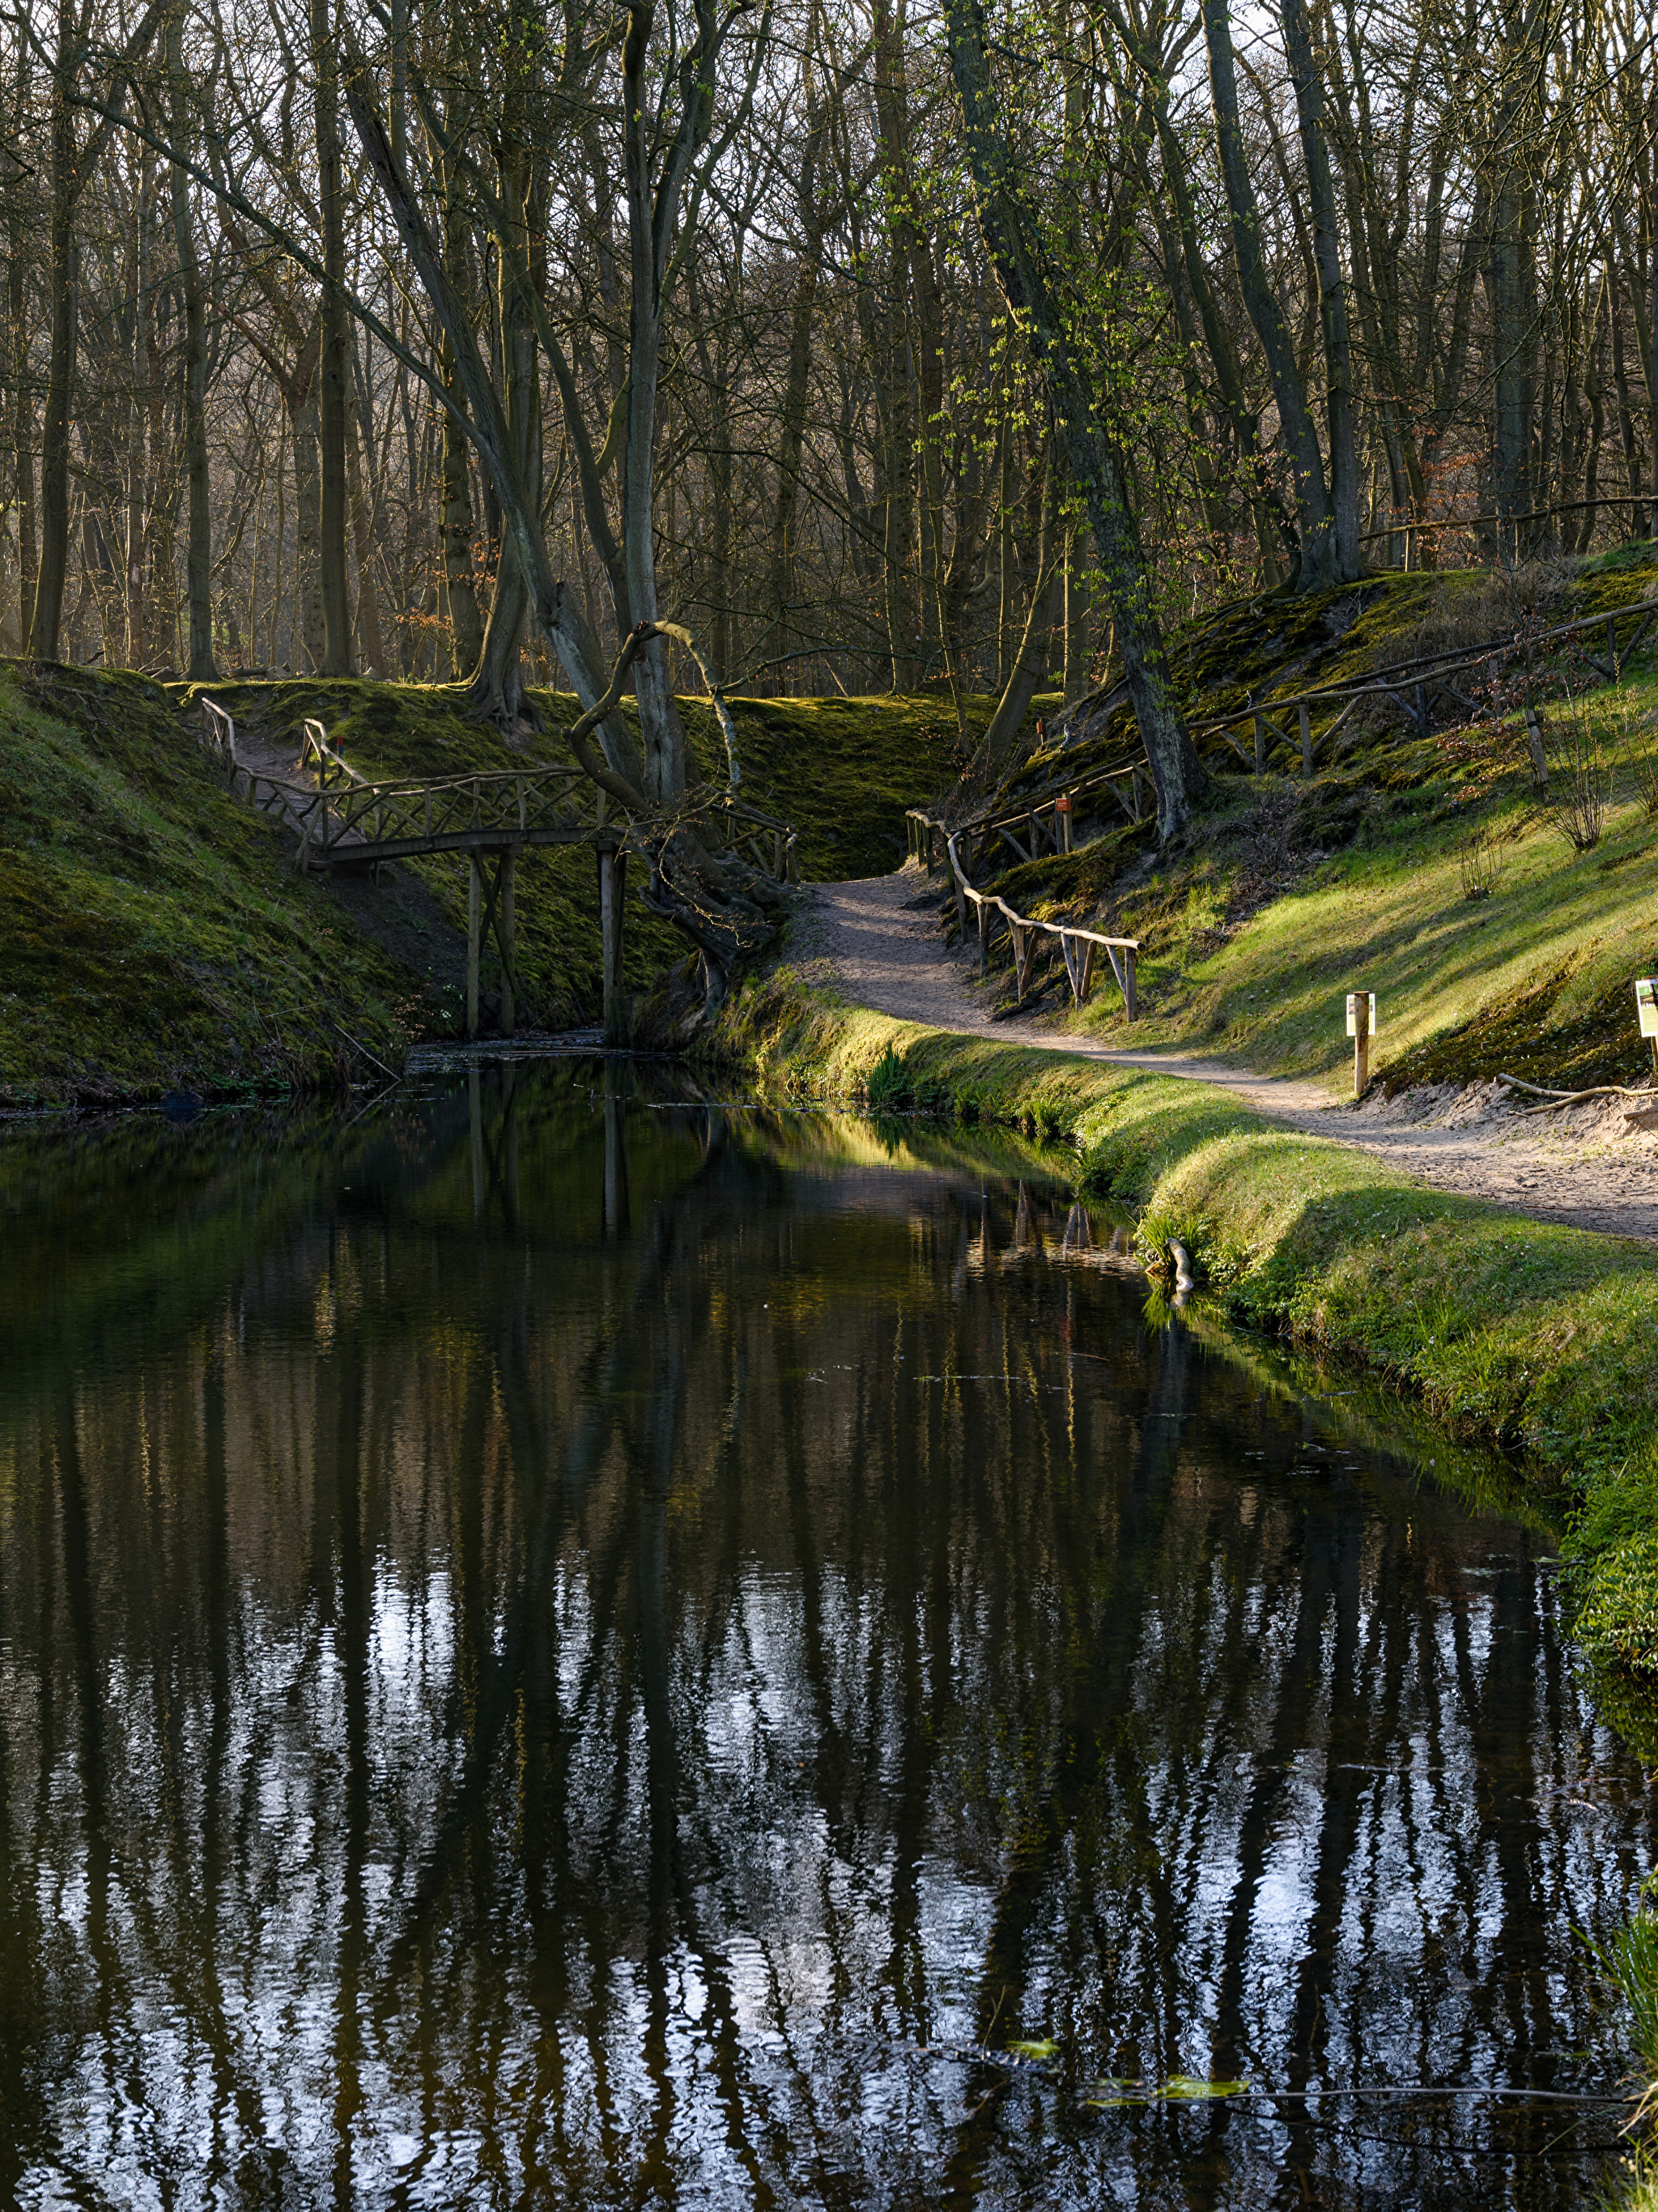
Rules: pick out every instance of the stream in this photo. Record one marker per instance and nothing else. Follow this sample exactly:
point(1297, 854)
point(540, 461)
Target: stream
point(561, 1643)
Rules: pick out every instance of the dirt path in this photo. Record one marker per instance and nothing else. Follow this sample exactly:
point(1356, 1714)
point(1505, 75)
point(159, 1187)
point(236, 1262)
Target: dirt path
point(878, 939)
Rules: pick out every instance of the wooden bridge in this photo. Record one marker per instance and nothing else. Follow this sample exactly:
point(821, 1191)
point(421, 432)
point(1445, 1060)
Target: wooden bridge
point(343, 821)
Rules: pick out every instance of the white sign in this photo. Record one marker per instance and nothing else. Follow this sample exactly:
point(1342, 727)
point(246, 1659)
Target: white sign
point(1354, 1001)
point(1646, 1004)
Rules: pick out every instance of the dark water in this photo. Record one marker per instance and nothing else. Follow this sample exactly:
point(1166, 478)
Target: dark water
point(556, 1652)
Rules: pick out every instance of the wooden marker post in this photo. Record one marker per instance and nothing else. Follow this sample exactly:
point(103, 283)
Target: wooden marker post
point(1062, 808)
point(1646, 1013)
point(1361, 1027)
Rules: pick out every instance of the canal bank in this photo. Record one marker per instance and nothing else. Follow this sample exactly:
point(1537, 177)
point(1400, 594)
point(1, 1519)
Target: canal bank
point(1521, 1333)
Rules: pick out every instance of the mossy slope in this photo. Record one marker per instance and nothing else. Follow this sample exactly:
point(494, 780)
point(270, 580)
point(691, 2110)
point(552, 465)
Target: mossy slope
point(151, 935)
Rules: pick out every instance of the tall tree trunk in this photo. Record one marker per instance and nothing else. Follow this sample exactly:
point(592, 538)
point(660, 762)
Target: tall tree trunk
point(497, 688)
point(22, 420)
point(1319, 559)
point(455, 529)
point(1340, 402)
point(198, 551)
point(300, 394)
point(333, 383)
point(797, 379)
point(46, 616)
point(1030, 662)
point(1020, 261)
point(363, 536)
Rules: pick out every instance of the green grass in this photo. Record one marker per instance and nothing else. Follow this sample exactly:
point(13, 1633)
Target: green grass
point(151, 935)
point(1522, 1335)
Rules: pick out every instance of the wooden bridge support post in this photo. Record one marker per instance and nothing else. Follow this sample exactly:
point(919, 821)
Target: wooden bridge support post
point(507, 931)
point(474, 930)
point(612, 883)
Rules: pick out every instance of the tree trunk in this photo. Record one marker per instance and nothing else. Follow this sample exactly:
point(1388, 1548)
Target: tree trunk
point(1030, 662)
point(333, 384)
point(1020, 261)
point(198, 551)
point(1340, 401)
point(300, 394)
point(22, 420)
point(1319, 561)
point(46, 616)
point(497, 688)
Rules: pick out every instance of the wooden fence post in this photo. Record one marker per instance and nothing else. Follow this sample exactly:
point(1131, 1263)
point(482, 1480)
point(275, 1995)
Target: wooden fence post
point(1306, 740)
point(1129, 995)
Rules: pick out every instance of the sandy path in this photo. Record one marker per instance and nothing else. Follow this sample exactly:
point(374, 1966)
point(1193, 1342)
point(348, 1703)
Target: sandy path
point(879, 941)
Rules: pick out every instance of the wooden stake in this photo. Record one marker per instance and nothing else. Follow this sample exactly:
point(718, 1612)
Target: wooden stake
point(1361, 1058)
point(1306, 740)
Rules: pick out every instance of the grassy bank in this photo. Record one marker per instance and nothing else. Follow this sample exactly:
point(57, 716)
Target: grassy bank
point(1534, 1338)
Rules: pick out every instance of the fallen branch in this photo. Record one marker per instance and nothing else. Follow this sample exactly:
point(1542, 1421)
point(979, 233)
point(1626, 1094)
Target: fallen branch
point(357, 1043)
point(1556, 1098)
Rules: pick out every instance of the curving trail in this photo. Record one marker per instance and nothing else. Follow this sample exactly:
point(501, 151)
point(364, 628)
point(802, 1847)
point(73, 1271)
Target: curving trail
point(879, 938)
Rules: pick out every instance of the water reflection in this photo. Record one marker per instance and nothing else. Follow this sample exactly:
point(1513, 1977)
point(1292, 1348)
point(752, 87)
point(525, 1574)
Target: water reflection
point(562, 1648)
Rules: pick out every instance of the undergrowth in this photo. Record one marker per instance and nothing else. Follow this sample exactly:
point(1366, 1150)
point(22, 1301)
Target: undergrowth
point(1291, 891)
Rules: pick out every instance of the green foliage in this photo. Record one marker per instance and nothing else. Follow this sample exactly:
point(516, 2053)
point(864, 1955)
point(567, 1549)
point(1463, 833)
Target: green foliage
point(1294, 892)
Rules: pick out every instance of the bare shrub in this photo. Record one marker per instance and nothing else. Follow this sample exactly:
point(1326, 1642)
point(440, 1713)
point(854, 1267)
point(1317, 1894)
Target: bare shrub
point(1508, 599)
point(1482, 859)
point(1579, 779)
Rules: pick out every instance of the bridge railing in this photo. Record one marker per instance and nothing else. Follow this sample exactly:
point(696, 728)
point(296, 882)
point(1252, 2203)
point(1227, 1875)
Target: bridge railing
point(345, 813)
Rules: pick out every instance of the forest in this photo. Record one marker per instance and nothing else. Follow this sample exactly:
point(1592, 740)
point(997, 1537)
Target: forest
point(873, 348)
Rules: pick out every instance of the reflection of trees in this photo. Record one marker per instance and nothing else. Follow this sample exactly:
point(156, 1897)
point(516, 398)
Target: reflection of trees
point(541, 1670)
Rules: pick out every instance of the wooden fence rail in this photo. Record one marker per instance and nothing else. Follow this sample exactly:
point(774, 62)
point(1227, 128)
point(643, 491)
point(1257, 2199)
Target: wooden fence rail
point(1077, 947)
